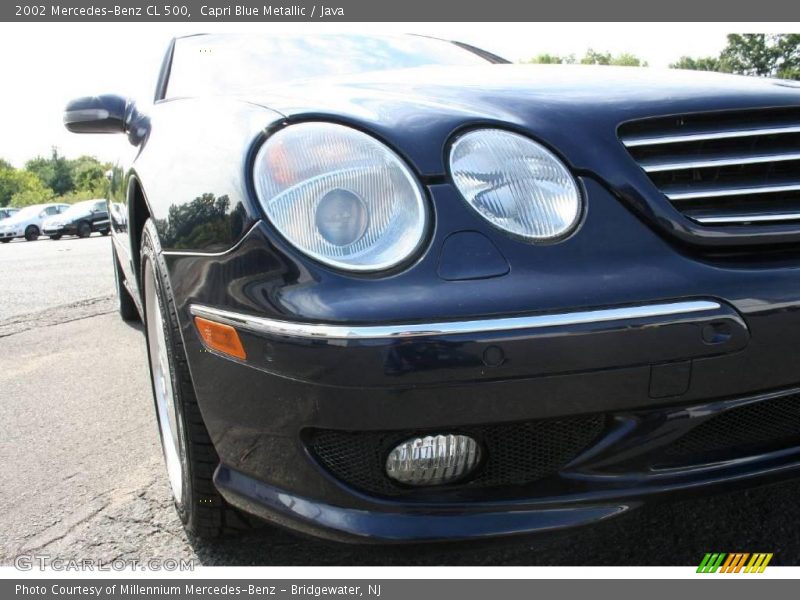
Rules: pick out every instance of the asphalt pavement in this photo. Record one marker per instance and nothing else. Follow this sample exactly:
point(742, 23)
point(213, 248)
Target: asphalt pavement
point(83, 475)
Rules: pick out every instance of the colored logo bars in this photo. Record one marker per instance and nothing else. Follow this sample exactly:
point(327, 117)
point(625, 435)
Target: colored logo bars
point(734, 563)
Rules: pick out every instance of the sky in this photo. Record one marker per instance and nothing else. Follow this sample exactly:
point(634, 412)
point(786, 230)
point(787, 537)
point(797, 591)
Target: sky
point(46, 64)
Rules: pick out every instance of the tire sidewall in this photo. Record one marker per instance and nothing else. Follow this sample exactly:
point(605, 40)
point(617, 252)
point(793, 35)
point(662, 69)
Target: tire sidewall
point(151, 259)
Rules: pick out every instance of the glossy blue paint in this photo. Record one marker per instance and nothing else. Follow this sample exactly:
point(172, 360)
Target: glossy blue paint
point(470, 255)
point(190, 170)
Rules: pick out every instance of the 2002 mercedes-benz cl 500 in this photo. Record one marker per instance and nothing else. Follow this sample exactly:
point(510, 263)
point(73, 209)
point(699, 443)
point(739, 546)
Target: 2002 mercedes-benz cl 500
point(395, 289)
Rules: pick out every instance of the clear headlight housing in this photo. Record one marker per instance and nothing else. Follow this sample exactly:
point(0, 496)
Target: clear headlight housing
point(340, 196)
point(516, 184)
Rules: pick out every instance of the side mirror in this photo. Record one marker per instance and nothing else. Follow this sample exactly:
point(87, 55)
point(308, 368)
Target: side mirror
point(98, 114)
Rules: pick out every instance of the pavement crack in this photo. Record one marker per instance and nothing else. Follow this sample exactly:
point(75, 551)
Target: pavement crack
point(65, 313)
point(63, 527)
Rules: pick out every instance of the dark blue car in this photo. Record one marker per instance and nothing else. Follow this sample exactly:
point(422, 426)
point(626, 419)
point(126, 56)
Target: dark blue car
point(396, 289)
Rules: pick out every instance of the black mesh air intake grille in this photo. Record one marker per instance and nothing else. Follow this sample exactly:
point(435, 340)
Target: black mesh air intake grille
point(515, 454)
point(723, 169)
point(744, 430)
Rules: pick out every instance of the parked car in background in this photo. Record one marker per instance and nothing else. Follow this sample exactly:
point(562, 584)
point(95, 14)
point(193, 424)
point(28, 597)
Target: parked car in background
point(7, 212)
point(28, 221)
point(81, 219)
point(392, 291)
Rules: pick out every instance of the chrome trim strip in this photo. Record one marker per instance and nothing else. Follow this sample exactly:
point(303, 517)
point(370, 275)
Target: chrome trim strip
point(263, 325)
point(659, 167)
point(721, 192)
point(758, 218)
point(634, 142)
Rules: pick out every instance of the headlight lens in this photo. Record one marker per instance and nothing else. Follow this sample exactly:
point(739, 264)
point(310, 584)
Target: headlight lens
point(340, 196)
point(516, 184)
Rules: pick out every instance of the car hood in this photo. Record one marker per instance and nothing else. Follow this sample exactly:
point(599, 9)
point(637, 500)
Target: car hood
point(62, 218)
point(576, 109)
point(16, 221)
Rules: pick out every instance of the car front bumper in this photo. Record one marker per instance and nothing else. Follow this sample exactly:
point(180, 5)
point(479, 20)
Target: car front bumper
point(662, 351)
point(644, 448)
point(62, 230)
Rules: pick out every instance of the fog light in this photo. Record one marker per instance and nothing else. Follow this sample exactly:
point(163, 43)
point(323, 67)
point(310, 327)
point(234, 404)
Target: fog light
point(433, 460)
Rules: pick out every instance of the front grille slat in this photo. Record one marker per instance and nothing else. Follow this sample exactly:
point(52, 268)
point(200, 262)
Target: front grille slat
point(733, 191)
point(678, 164)
point(634, 142)
point(748, 218)
point(723, 169)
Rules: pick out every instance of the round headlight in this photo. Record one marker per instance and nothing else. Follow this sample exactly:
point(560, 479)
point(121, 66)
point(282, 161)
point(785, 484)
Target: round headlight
point(340, 196)
point(516, 184)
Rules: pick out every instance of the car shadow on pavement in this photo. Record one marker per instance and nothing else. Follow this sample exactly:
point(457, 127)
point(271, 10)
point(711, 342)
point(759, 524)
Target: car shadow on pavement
point(678, 533)
point(136, 324)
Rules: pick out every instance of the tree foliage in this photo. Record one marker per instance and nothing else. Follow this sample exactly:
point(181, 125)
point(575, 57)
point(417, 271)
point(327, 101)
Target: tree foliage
point(758, 54)
point(707, 63)
point(30, 190)
point(53, 179)
point(591, 57)
point(54, 172)
point(21, 188)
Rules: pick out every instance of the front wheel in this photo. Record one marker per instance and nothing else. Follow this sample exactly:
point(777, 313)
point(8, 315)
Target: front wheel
point(84, 229)
point(189, 455)
point(32, 233)
point(55, 237)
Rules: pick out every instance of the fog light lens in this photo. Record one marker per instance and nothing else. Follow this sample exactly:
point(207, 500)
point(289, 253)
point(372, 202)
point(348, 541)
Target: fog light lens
point(433, 460)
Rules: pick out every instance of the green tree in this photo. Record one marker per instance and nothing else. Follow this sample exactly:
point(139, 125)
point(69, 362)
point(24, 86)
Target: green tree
point(46, 179)
point(606, 58)
point(20, 188)
point(627, 60)
point(596, 58)
point(30, 190)
point(758, 54)
point(54, 172)
point(551, 59)
point(87, 171)
point(9, 184)
point(706, 63)
point(590, 58)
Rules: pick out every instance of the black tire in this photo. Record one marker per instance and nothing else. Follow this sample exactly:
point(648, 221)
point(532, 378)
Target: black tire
point(56, 236)
point(125, 304)
point(5, 241)
point(203, 511)
point(84, 229)
point(31, 233)
point(105, 231)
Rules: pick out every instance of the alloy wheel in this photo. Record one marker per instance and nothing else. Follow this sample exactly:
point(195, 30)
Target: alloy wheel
point(163, 388)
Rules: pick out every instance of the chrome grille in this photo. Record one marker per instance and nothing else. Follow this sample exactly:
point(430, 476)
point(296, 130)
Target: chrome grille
point(723, 169)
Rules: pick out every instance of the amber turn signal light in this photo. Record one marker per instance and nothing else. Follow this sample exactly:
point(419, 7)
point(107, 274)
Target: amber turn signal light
point(219, 337)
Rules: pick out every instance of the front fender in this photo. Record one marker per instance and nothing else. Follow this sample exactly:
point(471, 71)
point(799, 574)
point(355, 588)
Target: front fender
point(194, 171)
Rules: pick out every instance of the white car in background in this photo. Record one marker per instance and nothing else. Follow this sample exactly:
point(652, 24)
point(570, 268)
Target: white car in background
point(28, 221)
point(7, 212)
